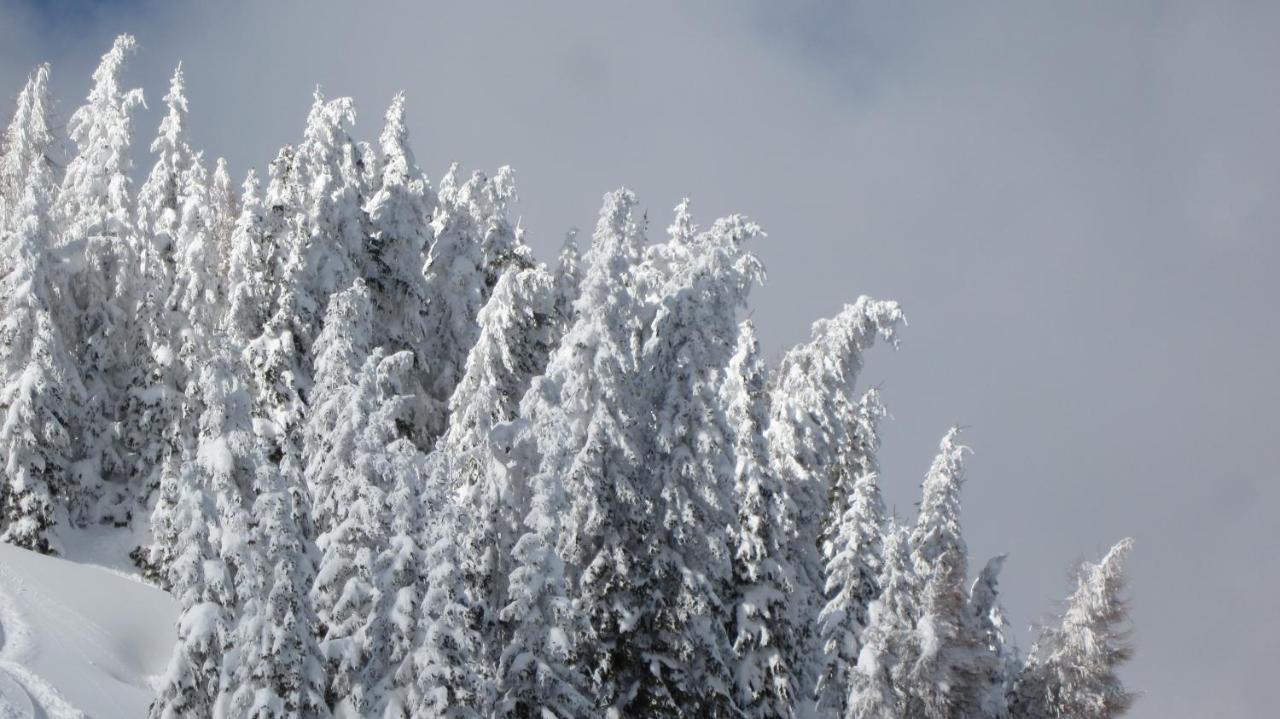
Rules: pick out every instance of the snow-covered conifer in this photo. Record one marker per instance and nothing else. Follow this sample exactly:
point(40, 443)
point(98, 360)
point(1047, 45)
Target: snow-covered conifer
point(249, 292)
point(951, 674)
point(1071, 671)
point(568, 277)
point(277, 668)
point(515, 341)
point(40, 391)
point(26, 148)
point(811, 434)
point(326, 251)
point(401, 573)
point(763, 577)
point(474, 245)
point(451, 676)
point(348, 594)
point(879, 680)
point(198, 579)
point(852, 584)
point(583, 422)
point(399, 216)
point(338, 412)
point(540, 671)
point(224, 210)
point(95, 212)
point(690, 480)
point(996, 662)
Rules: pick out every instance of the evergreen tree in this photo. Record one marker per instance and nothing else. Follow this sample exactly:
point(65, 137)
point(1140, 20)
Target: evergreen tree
point(200, 582)
point(568, 277)
point(689, 567)
point(95, 211)
point(879, 680)
point(400, 238)
point(514, 344)
point(813, 442)
point(951, 674)
point(996, 661)
point(1071, 671)
point(401, 573)
point(339, 410)
point(349, 595)
point(451, 677)
point(160, 205)
point(584, 424)
point(224, 211)
point(327, 243)
point(41, 387)
point(474, 245)
point(26, 149)
point(277, 669)
point(852, 585)
point(249, 290)
point(540, 672)
point(763, 576)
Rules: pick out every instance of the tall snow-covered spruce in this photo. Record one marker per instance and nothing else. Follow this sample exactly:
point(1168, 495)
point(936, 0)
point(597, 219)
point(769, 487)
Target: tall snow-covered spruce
point(393, 465)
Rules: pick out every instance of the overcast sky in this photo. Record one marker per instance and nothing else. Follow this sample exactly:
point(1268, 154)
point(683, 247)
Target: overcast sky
point(1076, 203)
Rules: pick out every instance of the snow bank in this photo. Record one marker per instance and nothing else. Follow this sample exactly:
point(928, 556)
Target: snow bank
point(78, 640)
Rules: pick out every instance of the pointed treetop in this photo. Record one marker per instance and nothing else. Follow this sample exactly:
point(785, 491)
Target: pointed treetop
point(938, 527)
point(683, 229)
point(27, 143)
point(174, 123)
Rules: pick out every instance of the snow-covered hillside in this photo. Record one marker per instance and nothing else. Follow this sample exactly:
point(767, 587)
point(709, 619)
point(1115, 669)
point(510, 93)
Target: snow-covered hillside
point(78, 640)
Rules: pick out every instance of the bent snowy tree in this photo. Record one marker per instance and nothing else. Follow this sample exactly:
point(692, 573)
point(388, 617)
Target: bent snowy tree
point(392, 465)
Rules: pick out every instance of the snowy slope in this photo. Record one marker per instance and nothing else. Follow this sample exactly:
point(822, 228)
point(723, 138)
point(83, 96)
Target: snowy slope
point(78, 640)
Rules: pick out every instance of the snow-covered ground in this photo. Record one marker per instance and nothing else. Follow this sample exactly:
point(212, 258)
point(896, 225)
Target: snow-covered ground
point(78, 640)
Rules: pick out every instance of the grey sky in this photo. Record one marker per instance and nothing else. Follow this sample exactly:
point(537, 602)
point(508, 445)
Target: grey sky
point(1076, 203)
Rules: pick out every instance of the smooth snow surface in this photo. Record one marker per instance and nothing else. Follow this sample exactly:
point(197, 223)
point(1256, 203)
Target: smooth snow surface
point(77, 640)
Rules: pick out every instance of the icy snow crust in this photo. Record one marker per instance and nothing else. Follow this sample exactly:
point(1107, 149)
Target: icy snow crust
point(78, 640)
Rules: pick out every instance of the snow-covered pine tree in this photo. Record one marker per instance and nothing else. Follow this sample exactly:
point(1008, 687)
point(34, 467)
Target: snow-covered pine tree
point(584, 424)
point(474, 245)
point(338, 411)
point(451, 675)
point(349, 592)
point(195, 303)
point(812, 435)
point(516, 337)
point(152, 417)
point(41, 390)
point(690, 480)
point(763, 577)
point(95, 213)
point(852, 584)
point(28, 146)
point(199, 581)
point(249, 292)
point(400, 213)
point(951, 674)
point(160, 202)
point(1071, 670)
point(879, 680)
point(568, 277)
point(540, 670)
point(224, 210)
point(277, 668)
point(327, 247)
point(997, 662)
point(401, 575)
point(279, 367)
